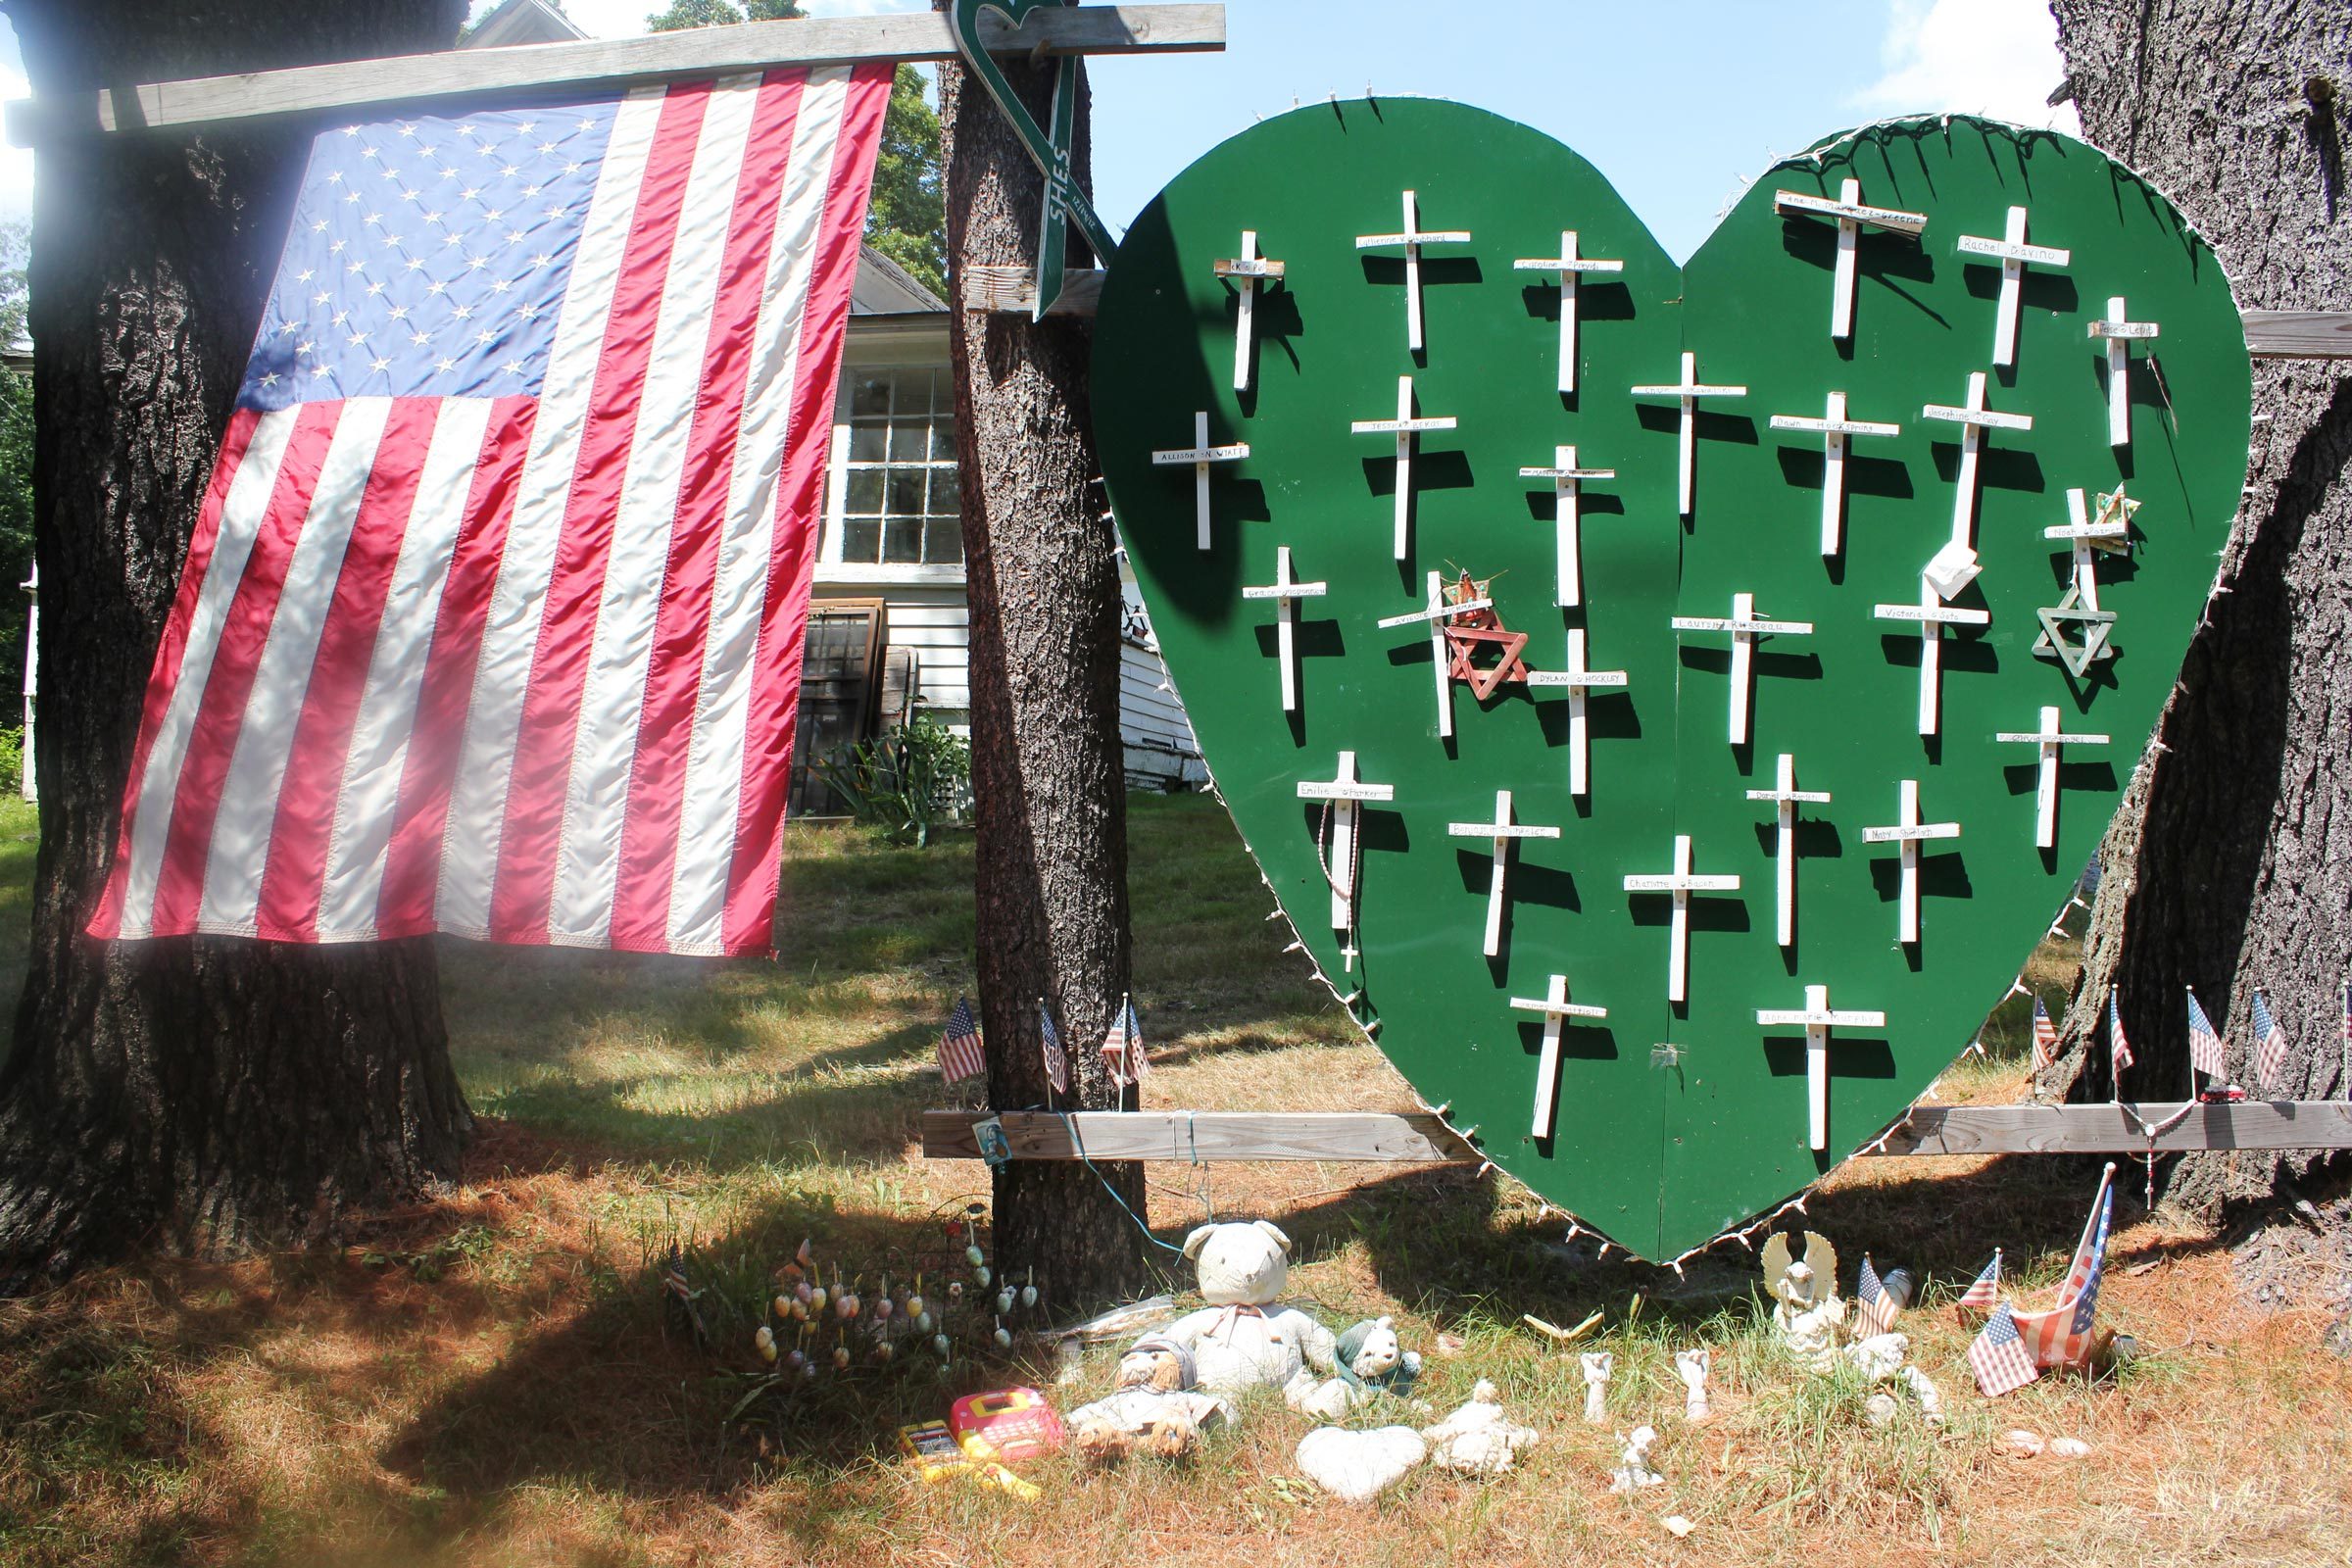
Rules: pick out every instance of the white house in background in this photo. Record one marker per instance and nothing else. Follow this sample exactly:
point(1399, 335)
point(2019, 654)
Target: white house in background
point(888, 626)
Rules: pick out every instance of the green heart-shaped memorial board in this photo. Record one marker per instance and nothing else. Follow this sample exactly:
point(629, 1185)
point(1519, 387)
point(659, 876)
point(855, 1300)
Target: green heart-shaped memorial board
point(1664, 1147)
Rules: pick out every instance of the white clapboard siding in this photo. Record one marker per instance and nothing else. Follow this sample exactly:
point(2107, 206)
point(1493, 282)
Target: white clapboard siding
point(1161, 752)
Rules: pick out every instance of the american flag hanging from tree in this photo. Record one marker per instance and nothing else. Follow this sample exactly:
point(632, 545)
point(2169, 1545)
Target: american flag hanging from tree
point(2270, 1045)
point(491, 622)
point(2204, 1041)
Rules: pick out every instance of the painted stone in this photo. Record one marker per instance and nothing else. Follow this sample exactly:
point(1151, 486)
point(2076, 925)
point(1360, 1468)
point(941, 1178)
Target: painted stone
point(1661, 1148)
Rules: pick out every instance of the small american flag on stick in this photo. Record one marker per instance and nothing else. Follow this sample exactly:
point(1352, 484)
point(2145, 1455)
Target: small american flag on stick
point(2046, 1036)
point(2204, 1041)
point(2117, 1045)
point(959, 1054)
point(1874, 1308)
point(2270, 1045)
point(1981, 1292)
point(1998, 1356)
point(1123, 1046)
point(1058, 1061)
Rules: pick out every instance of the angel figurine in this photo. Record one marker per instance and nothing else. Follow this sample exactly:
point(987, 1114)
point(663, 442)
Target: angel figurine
point(1806, 1311)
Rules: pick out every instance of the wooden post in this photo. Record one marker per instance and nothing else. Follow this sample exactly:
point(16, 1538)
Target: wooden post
point(1818, 1021)
point(1688, 392)
point(1556, 1008)
point(1501, 831)
point(1569, 266)
point(2013, 253)
point(1785, 797)
point(1286, 592)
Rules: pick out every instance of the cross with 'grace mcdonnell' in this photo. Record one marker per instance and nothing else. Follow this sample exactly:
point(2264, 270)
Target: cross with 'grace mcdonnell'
point(1201, 454)
point(1932, 615)
point(1412, 239)
point(1567, 481)
point(1556, 1008)
point(1502, 830)
point(1853, 218)
point(1570, 267)
point(1786, 798)
point(1245, 273)
point(2013, 253)
point(1746, 631)
point(1909, 832)
point(1818, 1021)
point(2047, 739)
point(1689, 391)
point(1681, 883)
point(1833, 428)
point(1286, 591)
point(1403, 428)
point(1955, 566)
point(1577, 680)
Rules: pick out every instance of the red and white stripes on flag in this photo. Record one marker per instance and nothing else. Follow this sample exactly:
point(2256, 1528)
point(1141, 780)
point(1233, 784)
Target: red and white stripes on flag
point(491, 623)
point(1983, 1291)
point(2046, 1036)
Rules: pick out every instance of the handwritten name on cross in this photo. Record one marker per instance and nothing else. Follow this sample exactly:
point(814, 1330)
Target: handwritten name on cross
point(1346, 794)
point(1955, 566)
point(1286, 592)
point(1439, 613)
point(1403, 428)
point(1681, 883)
point(1933, 616)
point(2079, 605)
point(1746, 631)
point(1556, 1008)
point(1570, 267)
point(1502, 831)
point(1412, 239)
point(1577, 680)
point(1246, 272)
point(1690, 390)
point(2050, 738)
point(1833, 428)
point(1818, 1021)
point(1909, 832)
point(1786, 798)
point(1567, 481)
point(1853, 218)
point(2119, 336)
point(1201, 454)
point(2013, 253)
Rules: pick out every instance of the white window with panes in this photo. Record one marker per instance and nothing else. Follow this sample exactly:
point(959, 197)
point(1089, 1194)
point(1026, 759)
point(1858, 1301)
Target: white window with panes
point(895, 503)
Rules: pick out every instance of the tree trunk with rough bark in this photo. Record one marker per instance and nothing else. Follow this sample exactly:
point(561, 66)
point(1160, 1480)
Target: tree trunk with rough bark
point(212, 1094)
point(1049, 781)
point(2230, 865)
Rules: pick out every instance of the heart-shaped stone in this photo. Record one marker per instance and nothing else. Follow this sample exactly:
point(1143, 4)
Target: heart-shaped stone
point(1668, 1120)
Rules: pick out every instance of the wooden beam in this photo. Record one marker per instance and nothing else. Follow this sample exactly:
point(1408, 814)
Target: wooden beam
point(1423, 1138)
point(2300, 334)
point(409, 79)
point(1004, 290)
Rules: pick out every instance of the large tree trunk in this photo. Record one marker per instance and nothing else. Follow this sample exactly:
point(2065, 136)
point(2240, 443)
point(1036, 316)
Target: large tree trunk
point(1047, 773)
point(2230, 865)
point(208, 1095)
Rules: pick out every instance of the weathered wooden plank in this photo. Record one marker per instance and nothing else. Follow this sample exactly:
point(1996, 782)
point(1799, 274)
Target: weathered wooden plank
point(1015, 288)
point(700, 51)
point(2300, 334)
point(1370, 1136)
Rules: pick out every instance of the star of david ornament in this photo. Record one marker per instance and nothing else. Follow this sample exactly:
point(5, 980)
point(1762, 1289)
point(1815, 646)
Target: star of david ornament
point(1477, 630)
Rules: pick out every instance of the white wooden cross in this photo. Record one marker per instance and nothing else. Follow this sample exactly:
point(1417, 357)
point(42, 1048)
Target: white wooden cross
point(1286, 591)
point(1933, 616)
point(1579, 681)
point(1832, 427)
point(1403, 428)
point(1345, 793)
point(1502, 831)
point(2014, 253)
point(1785, 797)
point(1682, 884)
point(1412, 239)
point(2085, 536)
point(2050, 738)
point(1555, 1006)
point(1819, 1021)
point(1567, 480)
point(1746, 631)
point(1690, 390)
point(1853, 218)
point(1954, 566)
point(1909, 831)
point(1201, 454)
point(1245, 271)
point(1437, 615)
point(2118, 334)
point(1569, 266)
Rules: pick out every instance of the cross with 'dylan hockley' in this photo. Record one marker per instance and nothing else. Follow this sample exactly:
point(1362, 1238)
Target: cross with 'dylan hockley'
point(1555, 1008)
point(1818, 1021)
point(1579, 681)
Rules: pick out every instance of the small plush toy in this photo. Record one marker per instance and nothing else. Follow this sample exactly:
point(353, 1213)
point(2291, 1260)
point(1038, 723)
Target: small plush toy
point(1245, 1338)
point(1478, 1439)
point(1154, 1412)
point(1371, 1361)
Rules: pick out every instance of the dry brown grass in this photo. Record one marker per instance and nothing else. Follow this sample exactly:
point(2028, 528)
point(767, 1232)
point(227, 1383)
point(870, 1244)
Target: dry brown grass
point(487, 1379)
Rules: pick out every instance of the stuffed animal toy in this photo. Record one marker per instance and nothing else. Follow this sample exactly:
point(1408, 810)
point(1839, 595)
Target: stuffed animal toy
point(1245, 1338)
point(1154, 1409)
point(1478, 1439)
point(1371, 1361)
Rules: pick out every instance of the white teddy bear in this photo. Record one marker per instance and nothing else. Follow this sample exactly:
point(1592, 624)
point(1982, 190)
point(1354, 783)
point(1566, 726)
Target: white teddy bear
point(1371, 1360)
point(1245, 1338)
